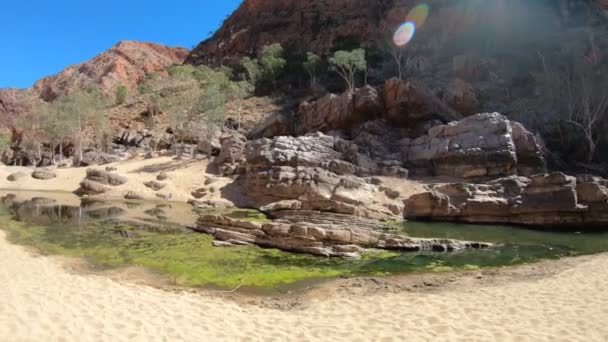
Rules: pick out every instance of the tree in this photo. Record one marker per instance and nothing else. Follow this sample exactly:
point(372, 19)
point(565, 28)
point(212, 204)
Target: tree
point(269, 65)
point(5, 141)
point(181, 108)
point(588, 110)
point(211, 110)
point(56, 127)
point(400, 58)
point(121, 94)
point(252, 69)
point(80, 110)
point(32, 126)
point(312, 65)
point(272, 62)
point(347, 64)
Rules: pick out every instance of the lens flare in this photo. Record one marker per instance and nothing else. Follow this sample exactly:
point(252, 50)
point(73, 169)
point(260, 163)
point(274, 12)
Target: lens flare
point(404, 34)
point(418, 15)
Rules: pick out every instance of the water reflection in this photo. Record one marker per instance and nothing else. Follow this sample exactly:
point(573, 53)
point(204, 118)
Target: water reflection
point(37, 209)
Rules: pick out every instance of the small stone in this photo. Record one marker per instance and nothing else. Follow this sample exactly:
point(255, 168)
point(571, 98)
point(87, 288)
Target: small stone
point(131, 195)
point(164, 196)
point(16, 176)
point(162, 176)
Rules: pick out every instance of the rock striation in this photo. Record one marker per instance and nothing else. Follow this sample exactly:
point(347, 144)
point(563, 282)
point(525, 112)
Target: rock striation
point(482, 145)
point(98, 182)
point(541, 200)
point(334, 112)
point(321, 234)
point(127, 63)
point(315, 172)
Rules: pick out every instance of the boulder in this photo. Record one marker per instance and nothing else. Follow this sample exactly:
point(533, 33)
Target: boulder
point(89, 187)
point(162, 176)
point(105, 177)
point(408, 103)
point(210, 144)
point(333, 112)
point(482, 145)
point(154, 185)
point(43, 174)
point(131, 195)
point(274, 125)
point(321, 234)
point(164, 196)
point(232, 153)
point(16, 176)
point(99, 182)
point(542, 200)
point(94, 157)
point(461, 96)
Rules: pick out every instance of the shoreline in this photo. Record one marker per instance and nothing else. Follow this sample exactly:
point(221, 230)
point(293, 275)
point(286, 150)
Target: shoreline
point(542, 301)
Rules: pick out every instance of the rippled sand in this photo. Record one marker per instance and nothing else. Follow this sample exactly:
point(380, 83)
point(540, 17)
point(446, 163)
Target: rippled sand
point(41, 301)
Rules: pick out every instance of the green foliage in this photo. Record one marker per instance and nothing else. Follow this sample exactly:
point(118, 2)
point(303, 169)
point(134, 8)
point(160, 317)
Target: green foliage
point(252, 68)
point(312, 65)
point(121, 94)
point(5, 140)
point(181, 72)
point(348, 64)
point(272, 62)
point(269, 65)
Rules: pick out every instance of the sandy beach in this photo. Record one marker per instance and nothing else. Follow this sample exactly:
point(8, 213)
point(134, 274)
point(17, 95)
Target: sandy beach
point(44, 300)
point(184, 177)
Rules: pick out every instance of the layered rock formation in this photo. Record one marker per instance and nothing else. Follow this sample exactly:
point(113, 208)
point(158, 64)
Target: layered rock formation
point(14, 102)
point(541, 200)
point(321, 234)
point(98, 182)
point(127, 63)
point(315, 172)
point(483, 145)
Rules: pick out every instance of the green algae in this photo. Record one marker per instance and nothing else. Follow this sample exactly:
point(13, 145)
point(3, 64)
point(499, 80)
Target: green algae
point(189, 259)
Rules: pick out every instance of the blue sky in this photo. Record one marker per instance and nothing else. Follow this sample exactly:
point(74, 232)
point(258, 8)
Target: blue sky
point(41, 37)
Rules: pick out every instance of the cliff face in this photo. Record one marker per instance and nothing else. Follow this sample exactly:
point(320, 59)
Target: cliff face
point(14, 102)
point(323, 26)
point(315, 26)
point(127, 63)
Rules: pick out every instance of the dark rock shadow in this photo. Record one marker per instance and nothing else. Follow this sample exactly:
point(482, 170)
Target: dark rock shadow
point(165, 167)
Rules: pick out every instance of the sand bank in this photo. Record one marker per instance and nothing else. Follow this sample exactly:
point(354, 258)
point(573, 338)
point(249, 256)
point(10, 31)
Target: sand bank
point(41, 300)
point(185, 177)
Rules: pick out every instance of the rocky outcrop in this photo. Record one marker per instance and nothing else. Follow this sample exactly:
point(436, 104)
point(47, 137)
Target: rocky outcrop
point(154, 185)
point(541, 200)
point(317, 171)
point(232, 153)
point(274, 125)
point(345, 111)
point(483, 145)
point(409, 102)
point(321, 234)
point(13, 103)
point(320, 27)
point(127, 63)
point(98, 182)
point(461, 96)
